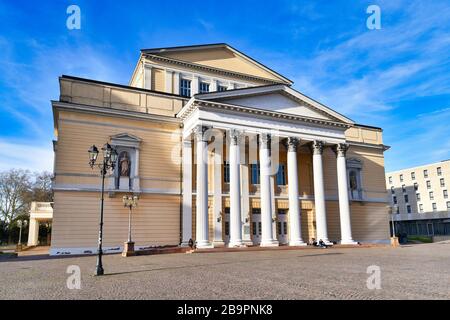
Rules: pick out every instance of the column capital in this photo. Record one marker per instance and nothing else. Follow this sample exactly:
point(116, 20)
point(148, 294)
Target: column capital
point(292, 144)
point(199, 132)
point(235, 136)
point(264, 140)
point(340, 149)
point(317, 147)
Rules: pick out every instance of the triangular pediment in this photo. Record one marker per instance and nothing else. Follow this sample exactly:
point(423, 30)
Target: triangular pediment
point(220, 56)
point(125, 139)
point(276, 98)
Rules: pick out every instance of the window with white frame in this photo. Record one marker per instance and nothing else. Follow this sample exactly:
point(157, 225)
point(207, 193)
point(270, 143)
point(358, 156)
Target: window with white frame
point(390, 179)
point(403, 188)
point(408, 208)
point(448, 205)
point(428, 184)
point(185, 87)
point(203, 87)
point(416, 186)
point(413, 176)
point(221, 88)
point(354, 171)
point(425, 173)
point(445, 192)
point(418, 196)
point(434, 205)
point(392, 190)
point(406, 198)
point(439, 171)
point(431, 195)
point(420, 208)
point(401, 178)
point(255, 173)
point(442, 182)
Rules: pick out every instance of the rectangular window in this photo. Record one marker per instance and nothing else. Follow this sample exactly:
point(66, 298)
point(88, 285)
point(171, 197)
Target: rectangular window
point(406, 198)
point(401, 178)
point(256, 211)
point(227, 210)
point(390, 179)
point(255, 173)
point(448, 205)
point(445, 192)
point(403, 188)
point(425, 173)
point(442, 181)
point(185, 87)
point(431, 195)
point(418, 196)
point(392, 190)
point(279, 227)
point(259, 228)
point(221, 88)
point(281, 175)
point(254, 228)
point(428, 184)
point(285, 227)
point(413, 176)
point(281, 211)
point(434, 206)
point(226, 172)
point(439, 171)
point(416, 186)
point(421, 208)
point(203, 87)
point(394, 199)
point(227, 228)
point(408, 208)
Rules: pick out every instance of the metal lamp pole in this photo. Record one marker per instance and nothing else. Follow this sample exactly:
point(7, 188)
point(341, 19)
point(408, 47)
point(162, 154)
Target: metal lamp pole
point(109, 162)
point(129, 202)
point(20, 224)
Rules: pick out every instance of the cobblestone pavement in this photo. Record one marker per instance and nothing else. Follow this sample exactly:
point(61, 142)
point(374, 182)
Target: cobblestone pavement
point(409, 272)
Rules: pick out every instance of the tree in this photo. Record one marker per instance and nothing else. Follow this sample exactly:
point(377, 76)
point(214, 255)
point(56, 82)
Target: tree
point(42, 187)
point(15, 188)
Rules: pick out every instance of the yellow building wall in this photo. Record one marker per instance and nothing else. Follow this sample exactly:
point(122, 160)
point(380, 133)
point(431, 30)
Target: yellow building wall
point(155, 221)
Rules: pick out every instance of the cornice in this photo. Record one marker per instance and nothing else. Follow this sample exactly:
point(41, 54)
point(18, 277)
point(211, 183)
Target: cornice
point(222, 72)
point(195, 103)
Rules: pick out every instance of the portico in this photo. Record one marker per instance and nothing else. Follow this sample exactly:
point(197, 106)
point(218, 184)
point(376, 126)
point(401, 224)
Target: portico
point(254, 135)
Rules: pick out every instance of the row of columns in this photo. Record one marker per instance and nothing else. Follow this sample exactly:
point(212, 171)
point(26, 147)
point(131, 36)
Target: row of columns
point(267, 234)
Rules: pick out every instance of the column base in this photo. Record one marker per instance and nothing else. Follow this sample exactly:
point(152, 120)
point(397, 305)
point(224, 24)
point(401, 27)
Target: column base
point(218, 243)
point(204, 245)
point(128, 249)
point(351, 241)
point(297, 243)
point(234, 244)
point(269, 243)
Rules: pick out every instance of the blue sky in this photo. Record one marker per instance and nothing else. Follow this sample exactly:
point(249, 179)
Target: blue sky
point(397, 78)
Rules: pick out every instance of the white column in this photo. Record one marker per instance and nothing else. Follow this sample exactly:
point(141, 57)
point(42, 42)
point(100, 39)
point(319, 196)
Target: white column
point(33, 232)
point(176, 83)
point(295, 236)
point(235, 190)
point(194, 85)
point(202, 237)
point(319, 192)
point(187, 193)
point(231, 85)
point(213, 85)
point(169, 81)
point(147, 77)
point(218, 178)
point(344, 206)
point(267, 238)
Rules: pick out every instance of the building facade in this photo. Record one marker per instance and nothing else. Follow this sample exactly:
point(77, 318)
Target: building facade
point(419, 199)
point(220, 149)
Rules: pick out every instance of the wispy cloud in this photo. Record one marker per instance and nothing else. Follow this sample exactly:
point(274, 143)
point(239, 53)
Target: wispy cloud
point(25, 155)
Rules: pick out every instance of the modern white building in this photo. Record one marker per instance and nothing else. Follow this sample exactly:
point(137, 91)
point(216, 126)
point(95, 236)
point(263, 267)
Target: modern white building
point(419, 199)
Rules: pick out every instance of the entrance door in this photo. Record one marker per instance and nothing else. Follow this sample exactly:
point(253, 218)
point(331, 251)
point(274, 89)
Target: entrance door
point(282, 226)
point(256, 226)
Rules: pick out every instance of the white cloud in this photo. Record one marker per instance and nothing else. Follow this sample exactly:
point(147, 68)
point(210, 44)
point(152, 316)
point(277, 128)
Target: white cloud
point(25, 155)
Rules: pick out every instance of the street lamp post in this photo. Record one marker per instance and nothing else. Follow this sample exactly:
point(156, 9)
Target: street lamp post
point(129, 202)
point(109, 162)
point(20, 224)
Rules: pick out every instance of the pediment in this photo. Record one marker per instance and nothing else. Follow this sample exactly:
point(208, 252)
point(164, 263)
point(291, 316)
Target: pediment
point(125, 139)
point(220, 56)
point(277, 99)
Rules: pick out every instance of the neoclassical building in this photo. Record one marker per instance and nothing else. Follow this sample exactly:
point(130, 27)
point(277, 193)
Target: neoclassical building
point(220, 149)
